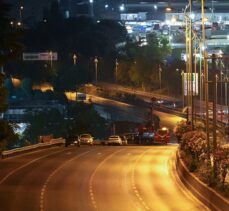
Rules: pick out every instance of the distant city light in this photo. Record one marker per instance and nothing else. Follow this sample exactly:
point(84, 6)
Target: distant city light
point(192, 16)
point(122, 7)
point(155, 7)
point(168, 9)
point(106, 6)
point(91, 1)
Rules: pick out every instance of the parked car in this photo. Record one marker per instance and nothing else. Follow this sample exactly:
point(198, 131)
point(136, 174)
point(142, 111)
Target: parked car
point(162, 136)
point(86, 139)
point(114, 139)
point(72, 140)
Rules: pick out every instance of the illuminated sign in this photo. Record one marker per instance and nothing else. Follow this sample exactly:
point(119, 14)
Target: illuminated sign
point(191, 82)
point(43, 56)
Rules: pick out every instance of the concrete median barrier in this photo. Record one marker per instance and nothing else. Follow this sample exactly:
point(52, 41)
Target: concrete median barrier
point(212, 199)
point(17, 151)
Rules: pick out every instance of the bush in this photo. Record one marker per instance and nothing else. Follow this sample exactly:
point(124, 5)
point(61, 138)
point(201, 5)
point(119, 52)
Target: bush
point(181, 128)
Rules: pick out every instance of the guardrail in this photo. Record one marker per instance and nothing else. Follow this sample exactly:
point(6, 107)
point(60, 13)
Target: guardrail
point(13, 152)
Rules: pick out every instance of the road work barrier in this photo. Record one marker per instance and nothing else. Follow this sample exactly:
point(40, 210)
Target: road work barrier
point(212, 199)
point(17, 151)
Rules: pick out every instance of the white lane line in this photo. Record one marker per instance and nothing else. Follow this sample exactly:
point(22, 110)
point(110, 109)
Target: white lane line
point(137, 194)
point(92, 178)
point(42, 194)
point(27, 164)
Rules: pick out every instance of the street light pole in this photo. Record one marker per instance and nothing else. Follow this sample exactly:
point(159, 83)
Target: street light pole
point(191, 64)
point(91, 2)
point(51, 58)
point(205, 77)
point(74, 58)
point(96, 69)
point(182, 76)
point(116, 70)
point(159, 71)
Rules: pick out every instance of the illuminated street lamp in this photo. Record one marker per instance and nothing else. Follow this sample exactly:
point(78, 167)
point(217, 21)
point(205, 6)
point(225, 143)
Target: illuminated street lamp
point(122, 7)
point(51, 58)
point(91, 7)
point(168, 9)
point(182, 78)
point(74, 58)
point(225, 87)
point(20, 12)
point(116, 70)
point(96, 68)
point(159, 75)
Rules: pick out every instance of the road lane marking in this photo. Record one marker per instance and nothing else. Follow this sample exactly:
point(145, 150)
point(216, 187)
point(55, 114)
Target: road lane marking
point(42, 194)
point(137, 194)
point(27, 164)
point(180, 184)
point(93, 201)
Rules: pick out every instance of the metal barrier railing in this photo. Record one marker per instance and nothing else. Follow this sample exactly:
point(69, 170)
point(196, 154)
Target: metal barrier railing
point(13, 152)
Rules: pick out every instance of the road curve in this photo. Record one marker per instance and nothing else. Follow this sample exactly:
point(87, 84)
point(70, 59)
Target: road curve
point(128, 178)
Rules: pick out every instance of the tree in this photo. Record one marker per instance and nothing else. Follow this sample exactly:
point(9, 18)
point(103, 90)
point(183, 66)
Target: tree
point(147, 59)
point(45, 122)
point(9, 33)
point(86, 120)
point(10, 49)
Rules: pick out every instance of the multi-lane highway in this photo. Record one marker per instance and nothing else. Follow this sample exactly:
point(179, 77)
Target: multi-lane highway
point(125, 178)
point(104, 178)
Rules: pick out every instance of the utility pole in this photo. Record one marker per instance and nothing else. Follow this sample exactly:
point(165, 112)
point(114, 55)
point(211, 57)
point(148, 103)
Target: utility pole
point(214, 110)
point(205, 77)
point(116, 70)
point(96, 69)
point(191, 65)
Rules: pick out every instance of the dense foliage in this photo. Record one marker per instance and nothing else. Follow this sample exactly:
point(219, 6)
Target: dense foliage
point(10, 49)
point(194, 152)
point(81, 119)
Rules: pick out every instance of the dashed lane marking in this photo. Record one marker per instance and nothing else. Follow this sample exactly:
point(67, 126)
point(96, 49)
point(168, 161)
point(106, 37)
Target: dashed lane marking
point(42, 194)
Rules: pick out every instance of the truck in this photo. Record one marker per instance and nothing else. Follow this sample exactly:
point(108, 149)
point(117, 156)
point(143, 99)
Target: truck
point(146, 134)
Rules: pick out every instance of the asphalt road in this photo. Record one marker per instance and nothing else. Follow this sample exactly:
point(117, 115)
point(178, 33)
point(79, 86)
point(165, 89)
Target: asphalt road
point(105, 178)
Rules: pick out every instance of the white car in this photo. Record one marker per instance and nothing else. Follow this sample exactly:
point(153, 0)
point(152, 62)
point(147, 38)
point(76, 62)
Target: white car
point(86, 139)
point(114, 139)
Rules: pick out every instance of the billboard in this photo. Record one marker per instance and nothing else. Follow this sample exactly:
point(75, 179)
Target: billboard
point(43, 56)
point(191, 82)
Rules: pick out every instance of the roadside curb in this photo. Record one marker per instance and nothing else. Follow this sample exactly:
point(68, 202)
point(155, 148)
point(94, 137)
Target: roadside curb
point(205, 194)
point(30, 148)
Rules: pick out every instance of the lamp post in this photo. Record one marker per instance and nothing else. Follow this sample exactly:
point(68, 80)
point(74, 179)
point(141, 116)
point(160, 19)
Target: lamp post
point(205, 77)
point(91, 7)
point(96, 68)
point(216, 90)
point(182, 85)
point(74, 58)
point(20, 12)
point(182, 77)
point(116, 70)
point(225, 88)
point(159, 72)
point(51, 58)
